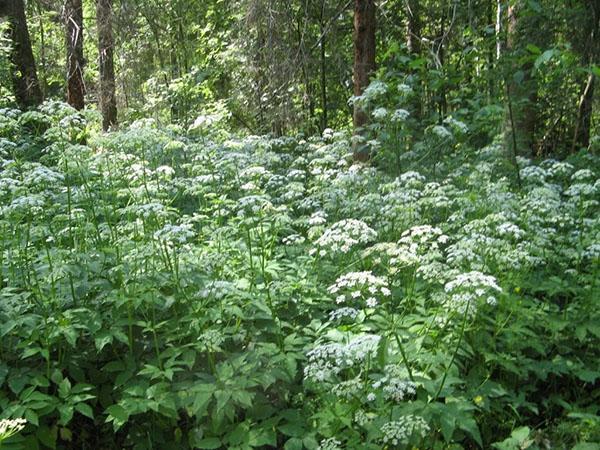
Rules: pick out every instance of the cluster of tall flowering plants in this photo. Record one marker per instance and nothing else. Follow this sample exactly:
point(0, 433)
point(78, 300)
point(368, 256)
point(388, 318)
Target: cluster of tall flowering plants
point(167, 289)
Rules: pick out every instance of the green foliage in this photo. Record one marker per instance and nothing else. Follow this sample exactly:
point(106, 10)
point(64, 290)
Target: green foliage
point(172, 289)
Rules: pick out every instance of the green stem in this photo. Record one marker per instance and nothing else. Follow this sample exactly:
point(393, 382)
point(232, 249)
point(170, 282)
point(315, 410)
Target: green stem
point(460, 338)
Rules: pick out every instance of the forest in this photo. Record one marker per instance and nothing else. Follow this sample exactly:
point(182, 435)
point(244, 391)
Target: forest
point(299, 224)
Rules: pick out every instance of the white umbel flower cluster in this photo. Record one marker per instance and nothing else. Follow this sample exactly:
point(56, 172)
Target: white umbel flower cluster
point(175, 234)
point(330, 444)
point(340, 313)
point(328, 360)
point(10, 427)
point(423, 238)
point(342, 236)
point(359, 285)
point(393, 385)
point(401, 430)
point(468, 288)
point(217, 289)
point(400, 115)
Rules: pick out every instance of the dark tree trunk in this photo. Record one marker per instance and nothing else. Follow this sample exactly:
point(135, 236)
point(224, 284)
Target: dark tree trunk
point(24, 76)
point(74, 24)
point(591, 54)
point(581, 138)
point(413, 27)
point(521, 86)
point(364, 52)
point(324, 118)
point(108, 102)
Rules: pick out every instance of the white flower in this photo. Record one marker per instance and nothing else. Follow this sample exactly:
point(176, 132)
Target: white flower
point(401, 430)
point(400, 115)
point(344, 235)
point(328, 360)
point(175, 234)
point(341, 313)
point(357, 285)
point(379, 113)
point(404, 89)
point(10, 427)
point(293, 239)
point(466, 288)
point(441, 132)
point(330, 444)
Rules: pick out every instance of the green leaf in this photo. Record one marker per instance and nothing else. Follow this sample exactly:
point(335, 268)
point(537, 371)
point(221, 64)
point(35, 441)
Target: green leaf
point(32, 417)
point(520, 434)
point(209, 443)
point(586, 446)
point(448, 425)
point(544, 58)
point(222, 399)
point(66, 434)
point(47, 436)
point(64, 388)
point(310, 442)
point(17, 384)
point(470, 426)
point(3, 373)
point(292, 429)
point(118, 415)
point(66, 414)
point(102, 339)
point(85, 409)
point(201, 402)
point(293, 444)
point(260, 437)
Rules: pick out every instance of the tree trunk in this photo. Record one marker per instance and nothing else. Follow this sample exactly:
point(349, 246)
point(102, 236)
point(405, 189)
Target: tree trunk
point(413, 27)
point(591, 53)
point(498, 29)
point(581, 138)
point(324, 118)
point(364, 52)
point(521, 86)
point(24, 76)
point(108, 102)
point(73, 16)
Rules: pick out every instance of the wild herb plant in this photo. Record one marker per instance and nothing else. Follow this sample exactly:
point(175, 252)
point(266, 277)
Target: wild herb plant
point(165, 289)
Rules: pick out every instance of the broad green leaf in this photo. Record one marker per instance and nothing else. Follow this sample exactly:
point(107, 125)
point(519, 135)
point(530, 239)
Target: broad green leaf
point(208, 443)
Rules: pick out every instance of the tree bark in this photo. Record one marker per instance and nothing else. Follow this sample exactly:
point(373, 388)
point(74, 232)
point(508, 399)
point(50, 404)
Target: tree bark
point(521, 86)
point(364, 52)
point(413, 27)
point(323, 55)
point(73, 16)
point(108, 102)
point(24, 76)
point(591, 53)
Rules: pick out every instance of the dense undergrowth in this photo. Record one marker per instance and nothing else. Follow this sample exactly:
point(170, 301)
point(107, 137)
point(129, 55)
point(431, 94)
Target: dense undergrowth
point(169, 290)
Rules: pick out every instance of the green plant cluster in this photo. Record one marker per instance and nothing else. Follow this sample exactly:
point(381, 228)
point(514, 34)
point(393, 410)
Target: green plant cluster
point(172, 289)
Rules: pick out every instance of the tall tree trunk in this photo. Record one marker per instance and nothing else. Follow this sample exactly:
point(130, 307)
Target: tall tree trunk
point(591, 54)
point(24, 77)
point(581, 138)
point(108, 102)
point(73, 15)
point(413, 45)
point(324, 118)
point(521, 87)
point(364, 52)
point(413, 27)
point(498, 29)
